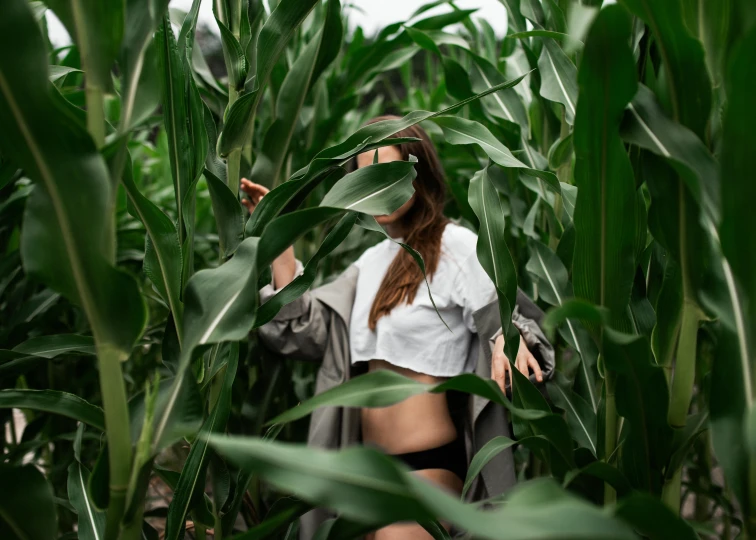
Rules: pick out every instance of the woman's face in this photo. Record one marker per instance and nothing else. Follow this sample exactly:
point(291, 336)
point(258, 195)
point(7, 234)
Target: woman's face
point(386, 154)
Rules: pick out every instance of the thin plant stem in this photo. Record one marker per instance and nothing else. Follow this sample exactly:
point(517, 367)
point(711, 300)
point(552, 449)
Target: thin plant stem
point(610, 431)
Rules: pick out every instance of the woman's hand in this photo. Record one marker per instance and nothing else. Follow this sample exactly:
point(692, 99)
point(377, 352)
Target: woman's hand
point(255, 191)
point(285, 265)
point(500, 366)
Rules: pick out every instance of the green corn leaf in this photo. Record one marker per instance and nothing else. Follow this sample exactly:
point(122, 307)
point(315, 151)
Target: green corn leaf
point(603, 471)
point(603, 265)
point(55, 402)
point(490, 450)
point(558, 78)
point(555, 289)
point(686, 80)
point(547, 34)
point(271, 41)
point(91, 522)
point(383, 388)
point(163, 258)
point(437, 22)
point(647, 125)
point(560, 152)
point(282, 512)
point(462, 131)
point(365, 139)
point(369, 487)
point(192, 479)
point(733, 374)
point(318, 53)
point(229, 214)
point(139, 92)
point(97, 28)
point(642, 398)
point(61, 245)
point(28, 513)
point(52, 346)
point(374, 189)
point(236, 61)
point(492, 250)
point(650, 517)
point(581, 417)
point(183, 115)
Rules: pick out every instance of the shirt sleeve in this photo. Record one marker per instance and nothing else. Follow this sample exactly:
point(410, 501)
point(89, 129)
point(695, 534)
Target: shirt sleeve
point(472, 290)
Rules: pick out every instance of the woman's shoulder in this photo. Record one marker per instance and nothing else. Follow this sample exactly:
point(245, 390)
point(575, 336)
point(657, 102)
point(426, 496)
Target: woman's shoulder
point(458, 242)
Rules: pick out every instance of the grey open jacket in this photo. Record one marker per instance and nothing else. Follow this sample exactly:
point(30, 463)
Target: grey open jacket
point(316, 327)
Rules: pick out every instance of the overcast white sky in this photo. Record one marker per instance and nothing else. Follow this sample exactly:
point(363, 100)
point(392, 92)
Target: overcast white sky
point(370, 14)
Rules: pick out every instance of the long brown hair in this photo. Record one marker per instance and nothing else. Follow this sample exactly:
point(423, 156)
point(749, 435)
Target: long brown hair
point(424, 224)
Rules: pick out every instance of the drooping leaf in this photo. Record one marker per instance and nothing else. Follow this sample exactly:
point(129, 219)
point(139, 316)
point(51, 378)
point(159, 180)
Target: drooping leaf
point(91, 522)
point(364, 485)
point(55, 402)
point(52, 346)
point(28, 511)
point(383, 388)
point(492, 250)
point(163, 259)
point(558, 78)
point(581, 417)
point(462, 131)
point(229, 214)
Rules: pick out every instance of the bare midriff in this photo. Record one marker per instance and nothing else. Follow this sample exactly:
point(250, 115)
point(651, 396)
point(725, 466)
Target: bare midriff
point(417, 423)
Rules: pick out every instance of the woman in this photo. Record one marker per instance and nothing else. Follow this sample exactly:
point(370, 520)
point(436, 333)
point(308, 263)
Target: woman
point(378, 315)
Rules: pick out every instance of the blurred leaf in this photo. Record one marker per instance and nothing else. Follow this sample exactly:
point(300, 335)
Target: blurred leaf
point(367, 486)
point(91, 522)
point(489, 450)
point(652, 518)
point(686, 84)
point(61, 245)
point(646, 125)
point(642, 399)
point(52, 346)
point(732, 375)
point(192, 479)
point(27, 513)
point(54, 402)
point(603, 265)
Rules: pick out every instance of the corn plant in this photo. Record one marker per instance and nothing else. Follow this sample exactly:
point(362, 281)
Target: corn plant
point(600, 152)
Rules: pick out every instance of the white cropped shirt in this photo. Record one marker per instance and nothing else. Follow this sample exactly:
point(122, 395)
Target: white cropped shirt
point(412, 336)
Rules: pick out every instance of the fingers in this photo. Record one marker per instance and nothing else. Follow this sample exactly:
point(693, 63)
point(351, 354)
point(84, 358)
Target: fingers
point(526, 362)
point(255, 191)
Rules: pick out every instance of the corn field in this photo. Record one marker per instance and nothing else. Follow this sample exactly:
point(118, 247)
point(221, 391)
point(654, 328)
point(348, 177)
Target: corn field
point(604, 150)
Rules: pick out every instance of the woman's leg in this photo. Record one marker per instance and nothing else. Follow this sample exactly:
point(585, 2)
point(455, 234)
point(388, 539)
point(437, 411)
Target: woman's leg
point(412, 531)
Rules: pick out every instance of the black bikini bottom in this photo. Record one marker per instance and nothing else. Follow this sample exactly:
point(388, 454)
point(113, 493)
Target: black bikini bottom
point(451, 456)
